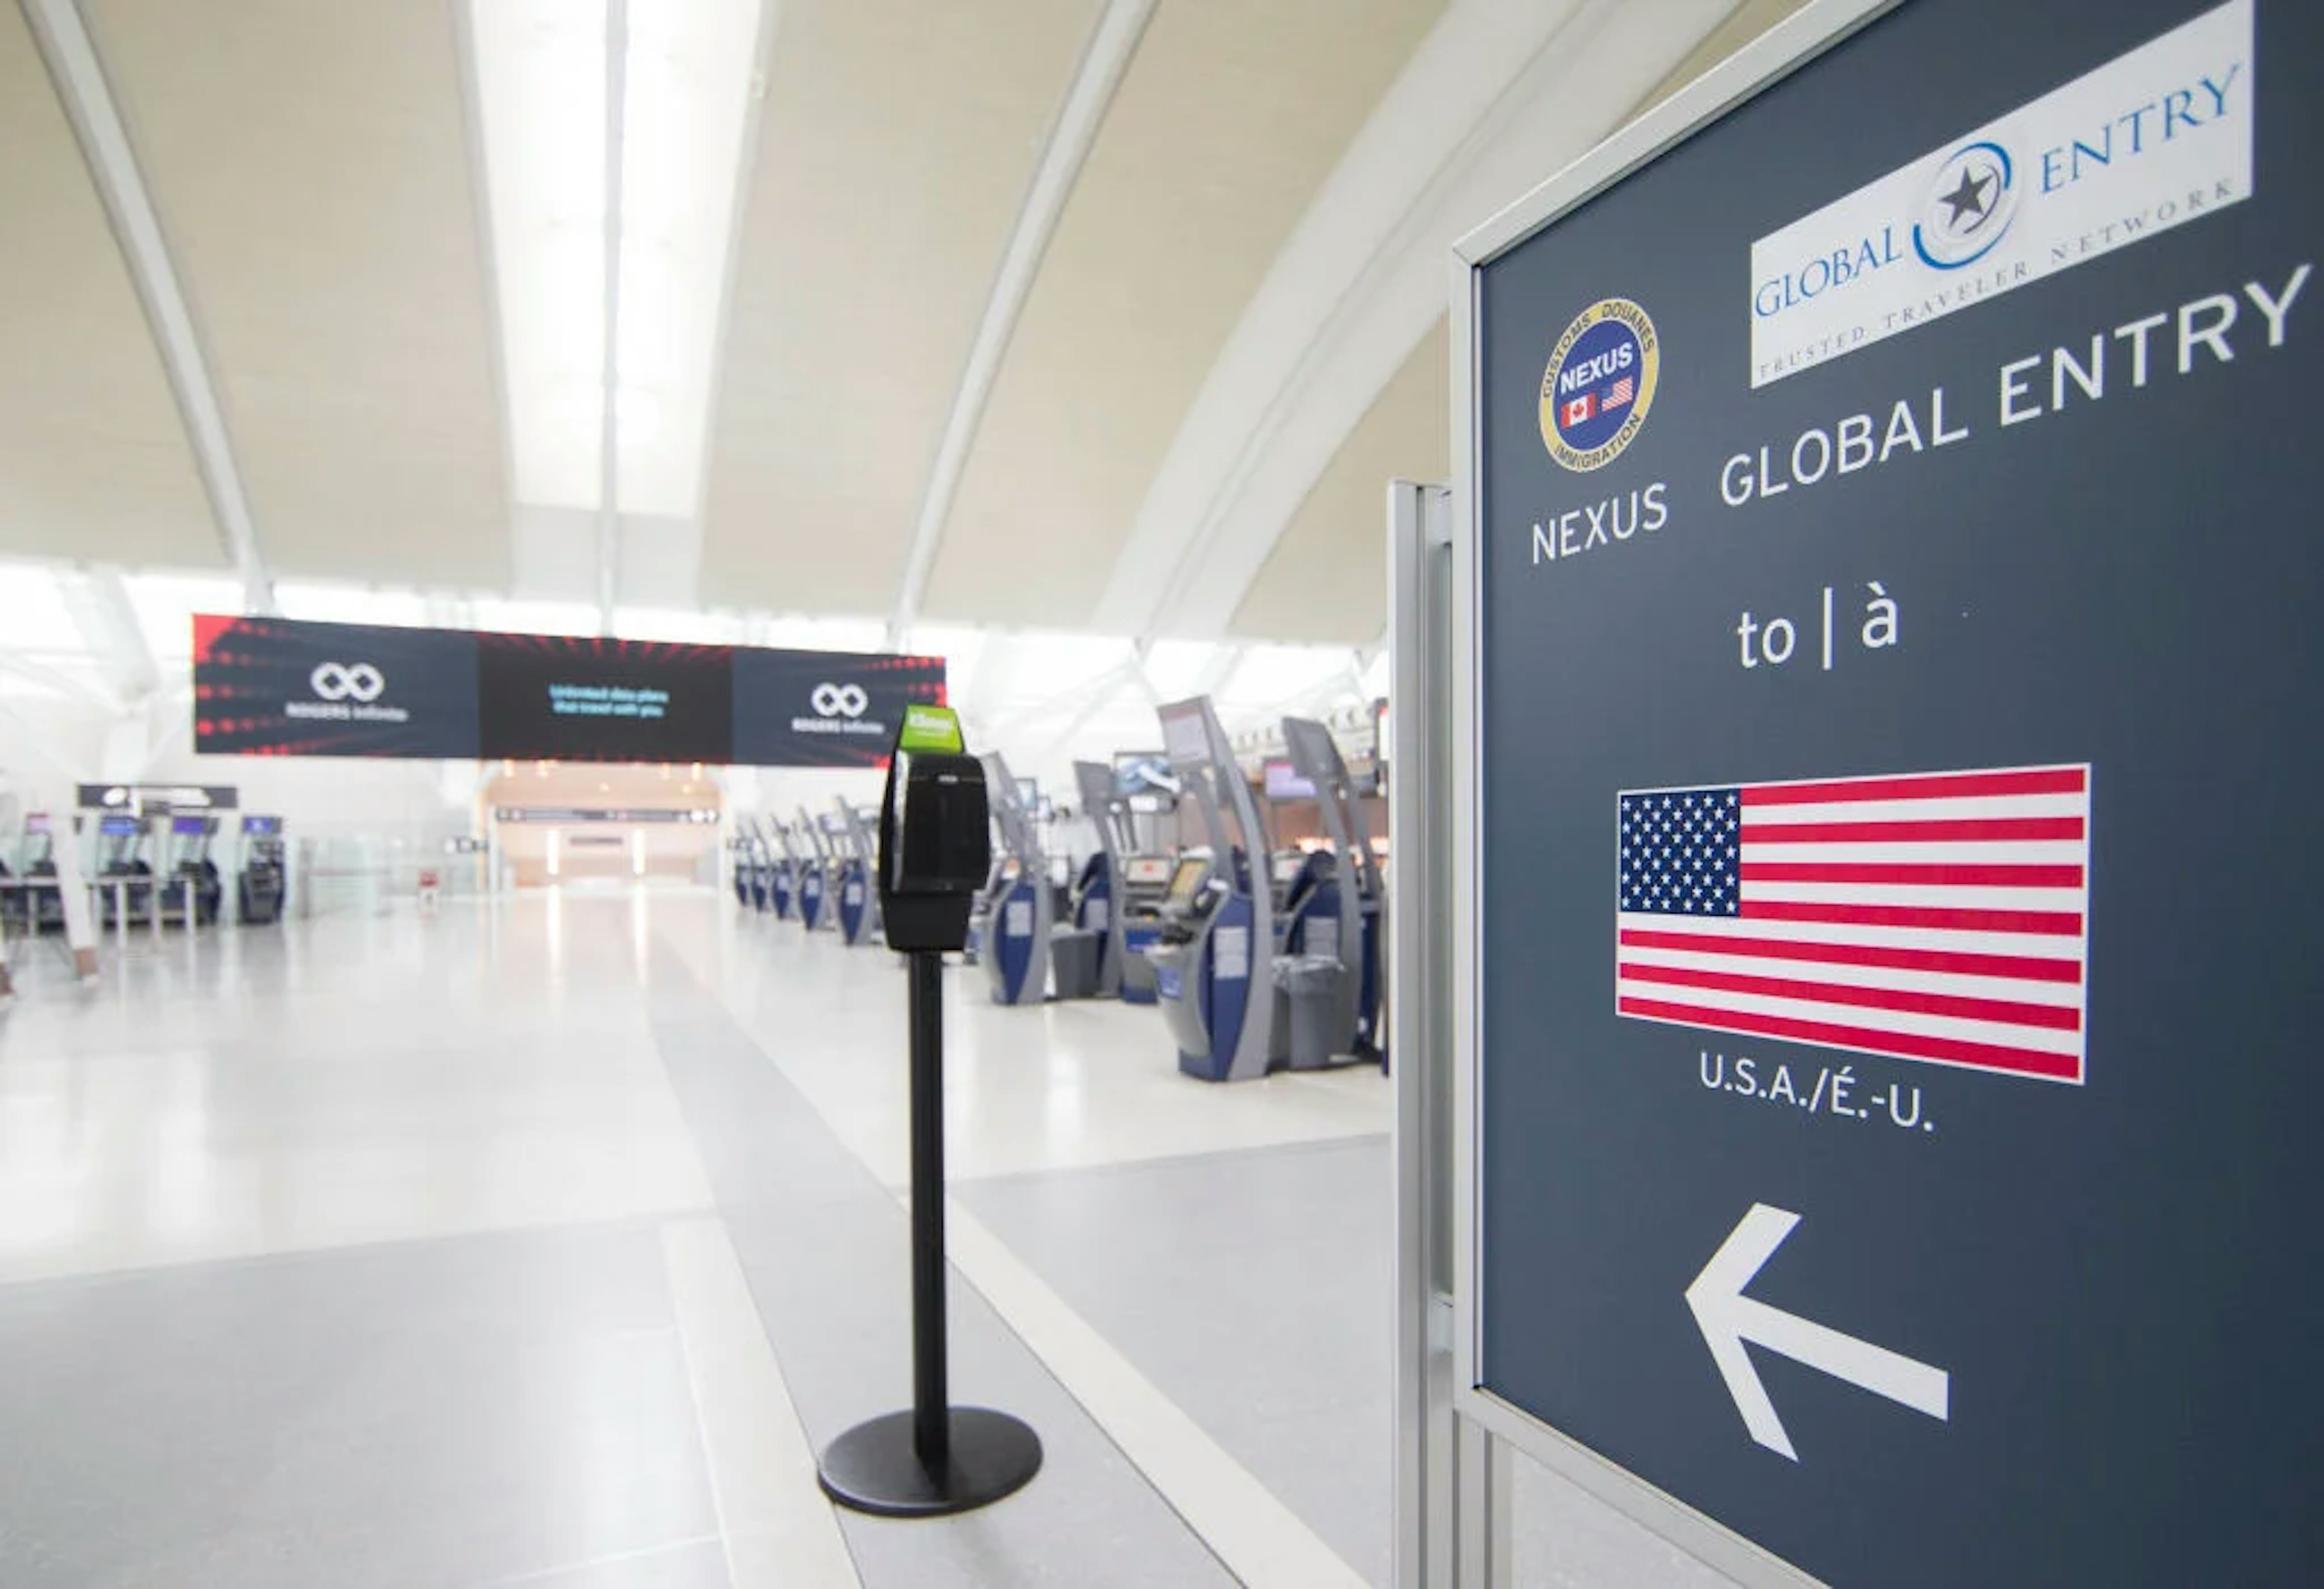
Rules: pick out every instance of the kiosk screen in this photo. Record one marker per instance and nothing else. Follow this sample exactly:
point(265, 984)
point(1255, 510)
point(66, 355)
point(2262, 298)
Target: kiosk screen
point(1188, 880)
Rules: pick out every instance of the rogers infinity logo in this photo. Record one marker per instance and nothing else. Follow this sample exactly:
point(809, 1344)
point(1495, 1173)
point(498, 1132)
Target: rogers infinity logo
point(346, 692)
point(336, 681)
point(839, 708)
point(839, 700)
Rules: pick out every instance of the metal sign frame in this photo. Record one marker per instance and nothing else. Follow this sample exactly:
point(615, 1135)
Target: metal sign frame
point(1452, 776)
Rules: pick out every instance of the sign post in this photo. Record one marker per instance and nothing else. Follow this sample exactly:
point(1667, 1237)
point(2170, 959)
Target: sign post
point(1876, 807)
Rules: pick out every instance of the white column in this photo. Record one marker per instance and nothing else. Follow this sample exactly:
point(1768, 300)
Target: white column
point(80, 922)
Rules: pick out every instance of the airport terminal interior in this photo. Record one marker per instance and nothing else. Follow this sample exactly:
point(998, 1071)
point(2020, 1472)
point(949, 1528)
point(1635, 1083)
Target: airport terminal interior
point(703, 708)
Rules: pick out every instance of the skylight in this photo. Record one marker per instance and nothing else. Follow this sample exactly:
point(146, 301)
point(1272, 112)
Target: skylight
point(541, 75)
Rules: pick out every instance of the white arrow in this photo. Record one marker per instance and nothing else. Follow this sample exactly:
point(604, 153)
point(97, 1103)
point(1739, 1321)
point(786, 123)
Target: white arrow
point(1727, 1318)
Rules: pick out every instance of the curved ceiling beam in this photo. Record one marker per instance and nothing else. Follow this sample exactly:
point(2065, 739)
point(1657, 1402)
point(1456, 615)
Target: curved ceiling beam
point(78, 75)
point(1104, 61)
point(609, 375)
point(1502, 93)
point(107, 618)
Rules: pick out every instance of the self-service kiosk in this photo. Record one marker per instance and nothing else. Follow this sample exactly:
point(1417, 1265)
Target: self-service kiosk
point(1018, 912)
point(753, 871)
point(745, 849)
point(768, 887)
point(1117, 895)
point(814, 899)
point(783, 880)
point(831, 838)
point(42, 901)
point(1213, 970)
point(193, 889)
point(859, 900)
point(15, 896)
point(742, 846)
point(1097, 898)
point(263, 881)
point(1328, 982)
point(123, 867)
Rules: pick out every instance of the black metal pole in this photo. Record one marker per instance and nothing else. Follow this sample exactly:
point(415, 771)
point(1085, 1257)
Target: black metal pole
point(931, 1397)
point(935, 1459)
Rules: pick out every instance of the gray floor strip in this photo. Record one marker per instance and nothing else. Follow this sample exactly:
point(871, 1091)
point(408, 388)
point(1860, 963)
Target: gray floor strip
point(824, 1249)
point(1251, 1287)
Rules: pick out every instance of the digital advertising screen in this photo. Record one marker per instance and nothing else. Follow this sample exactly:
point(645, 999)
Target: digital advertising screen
point(273, 687)
point(586, 699)
point(825, 708)
point(281, 686)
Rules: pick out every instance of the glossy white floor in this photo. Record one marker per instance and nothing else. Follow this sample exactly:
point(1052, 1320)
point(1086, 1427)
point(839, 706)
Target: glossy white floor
point(543, 1242)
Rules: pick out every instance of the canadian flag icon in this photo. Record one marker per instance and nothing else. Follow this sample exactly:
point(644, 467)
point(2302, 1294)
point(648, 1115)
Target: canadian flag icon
point(1581, 409)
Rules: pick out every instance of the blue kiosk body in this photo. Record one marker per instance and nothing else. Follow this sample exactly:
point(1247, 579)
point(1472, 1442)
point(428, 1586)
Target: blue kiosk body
point(1214, 965)
point(1014, 944)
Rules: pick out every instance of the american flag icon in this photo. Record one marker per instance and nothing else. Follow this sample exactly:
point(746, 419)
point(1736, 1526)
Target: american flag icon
point(1940, 916)
point(1620, 393)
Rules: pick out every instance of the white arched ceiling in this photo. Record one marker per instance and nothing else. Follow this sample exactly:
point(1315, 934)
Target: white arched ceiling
point(1536, 87)
point(1158, 285)
point(93, 460)
point(895, 144)
point(312, 171)
point(1231, 117)
point(1324, 578)
point(311, 165)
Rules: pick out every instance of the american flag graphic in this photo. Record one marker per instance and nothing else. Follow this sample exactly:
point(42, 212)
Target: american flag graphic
point(1620, 393)
point(1937, 916)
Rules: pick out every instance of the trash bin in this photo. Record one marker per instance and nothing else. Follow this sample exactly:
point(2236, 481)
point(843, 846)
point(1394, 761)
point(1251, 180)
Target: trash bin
point(1311, 983)
point(1138, 937)
point(1073, 954)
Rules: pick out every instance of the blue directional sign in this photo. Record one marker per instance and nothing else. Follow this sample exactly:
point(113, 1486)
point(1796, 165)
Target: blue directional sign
point(1895, 577)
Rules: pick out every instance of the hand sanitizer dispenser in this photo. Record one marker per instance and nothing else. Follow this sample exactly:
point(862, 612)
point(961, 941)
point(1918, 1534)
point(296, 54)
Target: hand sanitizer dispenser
point(936, 842)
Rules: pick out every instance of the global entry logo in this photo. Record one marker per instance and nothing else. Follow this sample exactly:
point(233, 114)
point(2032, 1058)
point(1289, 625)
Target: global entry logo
point(1966, 208)
point(2151, 139)
point(1970, 207)
point(1599, 385)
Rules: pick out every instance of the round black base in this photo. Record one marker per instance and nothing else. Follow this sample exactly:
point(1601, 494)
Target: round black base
point(873, 1466)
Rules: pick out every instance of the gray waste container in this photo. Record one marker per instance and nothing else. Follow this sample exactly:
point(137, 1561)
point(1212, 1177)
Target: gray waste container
point(1073, 954)
point(1137, 970)
point(1312, 985)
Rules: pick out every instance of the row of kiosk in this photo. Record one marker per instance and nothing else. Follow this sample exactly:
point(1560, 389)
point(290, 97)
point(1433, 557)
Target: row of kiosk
point(816, 870)
point(1258, 959)
point(1281, 970)
point(147, 866)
